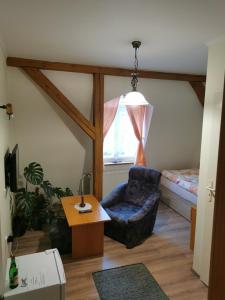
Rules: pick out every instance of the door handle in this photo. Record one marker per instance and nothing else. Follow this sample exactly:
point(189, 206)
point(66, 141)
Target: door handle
point(212, 191)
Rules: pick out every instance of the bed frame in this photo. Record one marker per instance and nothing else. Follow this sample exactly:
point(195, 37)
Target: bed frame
point(176, 202)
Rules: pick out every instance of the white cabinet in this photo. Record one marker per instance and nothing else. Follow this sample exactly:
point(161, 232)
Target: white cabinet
point(41, 276)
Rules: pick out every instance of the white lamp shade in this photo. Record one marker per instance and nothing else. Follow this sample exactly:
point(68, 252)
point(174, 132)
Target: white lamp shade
point(134, 98)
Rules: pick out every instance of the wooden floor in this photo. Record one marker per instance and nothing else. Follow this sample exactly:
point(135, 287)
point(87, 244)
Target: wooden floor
point(166, 254)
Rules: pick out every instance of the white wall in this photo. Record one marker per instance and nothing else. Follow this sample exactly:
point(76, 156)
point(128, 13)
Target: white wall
point(209, 157)
point(46, 135)
point(5, 215)
point(175, 132)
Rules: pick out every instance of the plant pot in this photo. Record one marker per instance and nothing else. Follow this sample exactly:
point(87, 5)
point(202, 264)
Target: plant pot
point(19, 226)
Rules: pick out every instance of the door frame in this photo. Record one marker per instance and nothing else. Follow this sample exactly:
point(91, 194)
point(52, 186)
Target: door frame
point(217, 264)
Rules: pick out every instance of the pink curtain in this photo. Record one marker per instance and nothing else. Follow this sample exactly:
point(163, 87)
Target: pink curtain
point(147, 122)
point(140, 117)
point(110, 109)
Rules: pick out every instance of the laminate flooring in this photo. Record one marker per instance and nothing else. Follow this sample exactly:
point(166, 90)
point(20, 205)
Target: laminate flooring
point(166, 254)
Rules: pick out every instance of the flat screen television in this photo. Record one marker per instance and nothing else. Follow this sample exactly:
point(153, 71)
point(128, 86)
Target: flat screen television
point(7, 168)
point(11, 169)
point(14, 161)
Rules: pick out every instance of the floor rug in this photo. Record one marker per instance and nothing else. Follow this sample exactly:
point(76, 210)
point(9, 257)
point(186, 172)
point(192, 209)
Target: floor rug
point(132, 282)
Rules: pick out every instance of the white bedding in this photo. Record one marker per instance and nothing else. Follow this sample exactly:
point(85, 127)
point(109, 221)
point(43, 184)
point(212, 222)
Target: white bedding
point(186, 178)
point(179, 190)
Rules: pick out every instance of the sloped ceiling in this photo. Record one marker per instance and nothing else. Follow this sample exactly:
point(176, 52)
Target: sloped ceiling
point(174, 33)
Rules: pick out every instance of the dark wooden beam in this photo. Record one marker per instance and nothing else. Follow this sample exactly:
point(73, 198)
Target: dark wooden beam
point(53, 92)
point(199, 89)
point(98, 112)
point(58, 66)
point(217, 266)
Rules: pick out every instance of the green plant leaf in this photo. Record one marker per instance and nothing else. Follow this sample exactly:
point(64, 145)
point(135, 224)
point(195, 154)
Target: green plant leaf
point(24, 202)
point(68, 192)
point(48, 188)
point(59, 192)
point(34, 173)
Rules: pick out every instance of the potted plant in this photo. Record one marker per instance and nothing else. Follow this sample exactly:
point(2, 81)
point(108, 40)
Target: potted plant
point(34, 205)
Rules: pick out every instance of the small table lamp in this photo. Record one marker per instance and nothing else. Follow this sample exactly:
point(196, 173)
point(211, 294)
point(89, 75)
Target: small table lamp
point(82, 206)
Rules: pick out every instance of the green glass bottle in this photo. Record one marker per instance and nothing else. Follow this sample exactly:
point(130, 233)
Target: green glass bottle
point(13, 274)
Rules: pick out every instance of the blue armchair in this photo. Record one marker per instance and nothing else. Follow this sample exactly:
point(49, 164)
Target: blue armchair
point(133, 207)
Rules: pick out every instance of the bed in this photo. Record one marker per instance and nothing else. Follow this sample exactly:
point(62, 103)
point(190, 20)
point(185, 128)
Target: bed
point(180, 190)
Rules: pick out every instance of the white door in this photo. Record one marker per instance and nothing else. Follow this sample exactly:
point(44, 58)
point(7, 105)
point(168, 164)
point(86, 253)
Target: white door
point(209, 157)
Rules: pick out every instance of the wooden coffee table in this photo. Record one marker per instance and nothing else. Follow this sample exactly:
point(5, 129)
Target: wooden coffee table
point(87, 228)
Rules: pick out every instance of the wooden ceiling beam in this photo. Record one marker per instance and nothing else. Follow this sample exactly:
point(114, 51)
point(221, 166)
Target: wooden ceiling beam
point(58, 66)
point(199, 89)
point(59, 98)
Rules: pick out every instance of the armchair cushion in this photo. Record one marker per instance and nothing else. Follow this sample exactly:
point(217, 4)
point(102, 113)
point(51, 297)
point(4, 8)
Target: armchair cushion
point(147, 207)
point(122, 212)
point(142, 182)
point(115, 196)
point(148, 175)
point(137, 192)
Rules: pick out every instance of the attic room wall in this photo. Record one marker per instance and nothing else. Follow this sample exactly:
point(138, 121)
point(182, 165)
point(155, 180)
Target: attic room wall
point(5, 133)
point(46, 135)
point(175, 134)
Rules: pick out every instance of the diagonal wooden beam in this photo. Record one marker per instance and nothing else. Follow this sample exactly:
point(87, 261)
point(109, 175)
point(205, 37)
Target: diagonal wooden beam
point(58, 66)
point(98, 112)
point(59, 98)
point(199, 89)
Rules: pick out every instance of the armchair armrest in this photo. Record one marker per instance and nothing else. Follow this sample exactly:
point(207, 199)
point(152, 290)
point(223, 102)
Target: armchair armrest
point(148, 206)
point(114, 196)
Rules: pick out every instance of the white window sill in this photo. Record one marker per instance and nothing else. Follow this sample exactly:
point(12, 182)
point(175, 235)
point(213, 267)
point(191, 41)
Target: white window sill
point(118, 163)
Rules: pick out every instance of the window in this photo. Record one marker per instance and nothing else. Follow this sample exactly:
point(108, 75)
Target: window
point(120, 143)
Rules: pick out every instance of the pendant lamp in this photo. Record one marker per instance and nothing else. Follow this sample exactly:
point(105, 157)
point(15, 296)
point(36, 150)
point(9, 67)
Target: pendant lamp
point(134, 97)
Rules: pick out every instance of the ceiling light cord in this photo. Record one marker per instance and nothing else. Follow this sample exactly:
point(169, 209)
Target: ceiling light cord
point(134, 80)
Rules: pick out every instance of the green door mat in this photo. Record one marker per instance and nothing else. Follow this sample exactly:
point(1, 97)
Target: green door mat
point(133, 282)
